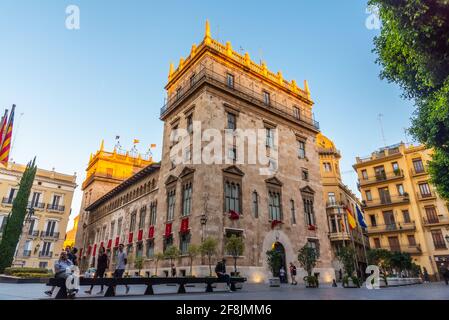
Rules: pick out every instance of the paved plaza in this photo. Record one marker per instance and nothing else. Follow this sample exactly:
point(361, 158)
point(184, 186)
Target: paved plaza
point(434, 291)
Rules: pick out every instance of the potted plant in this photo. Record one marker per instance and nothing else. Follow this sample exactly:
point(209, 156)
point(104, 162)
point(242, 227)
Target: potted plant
point(235, 247)
point(192, 252)
point(208, 248)
point(307, 258)
point(138, 264)
point(274, 260)
point(171, 253)
point(346, 257)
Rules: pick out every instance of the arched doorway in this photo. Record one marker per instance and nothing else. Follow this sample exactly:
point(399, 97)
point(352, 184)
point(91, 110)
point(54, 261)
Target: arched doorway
point(280, 248)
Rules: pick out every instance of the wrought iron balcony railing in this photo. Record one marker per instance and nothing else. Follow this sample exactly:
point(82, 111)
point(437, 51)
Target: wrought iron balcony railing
point(392, 227)
point(428, 221)
point(381, 177)
point(46, 254)
point(386, 201)
point(33, 233)
point(53, 235)
point(247, 93)
point(36, 205)
point(53, 207)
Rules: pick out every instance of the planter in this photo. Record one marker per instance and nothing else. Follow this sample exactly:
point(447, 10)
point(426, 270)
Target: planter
point(275, 282)
point(311, 282)
point(350, 284)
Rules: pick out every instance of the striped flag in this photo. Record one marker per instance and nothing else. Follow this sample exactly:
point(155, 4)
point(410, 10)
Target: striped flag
point(6, 144)
point(361, 218)
point(3, 124)
point(351, 220)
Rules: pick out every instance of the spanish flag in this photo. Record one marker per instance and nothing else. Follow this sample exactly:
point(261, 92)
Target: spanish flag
point(351, 220)
point(136, 141)
point(6, 144)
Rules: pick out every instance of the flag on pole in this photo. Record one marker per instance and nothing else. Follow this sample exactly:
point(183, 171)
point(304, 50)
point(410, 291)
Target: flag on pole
point(351, 221)
point(153, 145)
point(3, 124)
point(361, 218)
point(6, 144)
point(136, 141)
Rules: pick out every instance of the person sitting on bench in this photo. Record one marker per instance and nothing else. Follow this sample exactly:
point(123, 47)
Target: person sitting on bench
point(220, 270)
point(61, 267)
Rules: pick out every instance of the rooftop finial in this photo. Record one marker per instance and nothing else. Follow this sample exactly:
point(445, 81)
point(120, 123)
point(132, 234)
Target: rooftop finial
point(172, 70)
point(102, 145)
point(207, 37)
point(306, 88)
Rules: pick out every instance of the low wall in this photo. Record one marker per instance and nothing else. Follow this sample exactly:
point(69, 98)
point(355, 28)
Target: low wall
point(397, 282)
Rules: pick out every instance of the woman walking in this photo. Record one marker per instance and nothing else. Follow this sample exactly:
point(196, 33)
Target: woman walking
point(102, 265)
point(293, 273)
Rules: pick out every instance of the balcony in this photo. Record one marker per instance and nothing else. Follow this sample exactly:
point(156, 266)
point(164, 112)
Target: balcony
point(391, 151)
point(45, 254)
point(333, 204)
point(412, 249)
point(26, 253)
point(435, 221)
point(382, 177)
point(386, 202)
point(36, 205)
point(392, 228)
point(49, 235)
point(339, 236)
point(418, 172)
point(33, 233)
point(7, 201)
point(249, 94)
point(55, 208)
point(426, 196)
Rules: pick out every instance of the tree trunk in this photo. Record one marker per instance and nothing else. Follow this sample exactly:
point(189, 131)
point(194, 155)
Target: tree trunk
point(191, 266)
point(210, 267)
point(235, 265)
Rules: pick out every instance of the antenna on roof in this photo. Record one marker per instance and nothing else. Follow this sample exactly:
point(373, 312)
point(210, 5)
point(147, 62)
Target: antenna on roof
point(379, 117)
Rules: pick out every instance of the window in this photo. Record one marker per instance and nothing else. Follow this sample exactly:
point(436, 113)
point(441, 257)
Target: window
point(406, 216)
point(274, 205)
point(187, 199)
point(112, 229)
point(395, 167)
point(230, 80)
point(373, 221)
point(153, 210)
point(309, 211)
point(301, 149)
point(232, 196)
point(266, 98)
point(270, 137)
point(305, 174)
point(411, 240)
point(189, 124)
point(438, 239)
point(46, 249)
point(293, 211)
point(229, 234)
point(168, 242)
point(327, 166)
point(425, 190)
point(369, 196)
point(364, 174)
point(331, 198)
point(43, 265)
point(400, 188)
point(192, 79)
point(150, 248)
point(56, 201)
point(184, 241)
point(255, 204)
point(377, 243)
point(380, 173)
point(232, 121)
point(12, 195)
point(178, 93)
point(296, 113)
point(384, 194)
point(132, 223)
point(418, 165)
point(32, 225)
point(139, 250)
point(143, 213)
point(314, 244)
point(119, 226)
point(27, 248)
point(50, 229)
point(171, 200)
point(431, 214)
point(232, 154)
point(35, 201)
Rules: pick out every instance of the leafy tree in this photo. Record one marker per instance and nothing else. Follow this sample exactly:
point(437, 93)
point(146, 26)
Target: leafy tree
point(401, 261)
point(172, 253)
point(138, 263)
point(380, 258)
point(192, 252)
point(209, 248)
point(412, 51)
point(14, 225)
point(274, 260)
point(158, 257)
point(235, 247)
point(307, 257)
point(346, 256)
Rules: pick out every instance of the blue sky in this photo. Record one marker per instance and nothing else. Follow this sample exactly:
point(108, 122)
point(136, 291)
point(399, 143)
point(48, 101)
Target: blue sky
point(76, 87)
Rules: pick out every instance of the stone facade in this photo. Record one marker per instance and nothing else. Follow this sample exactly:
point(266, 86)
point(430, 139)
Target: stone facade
point(208, 87)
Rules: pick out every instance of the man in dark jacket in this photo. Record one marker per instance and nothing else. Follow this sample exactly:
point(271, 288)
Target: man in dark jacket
point(220, 270)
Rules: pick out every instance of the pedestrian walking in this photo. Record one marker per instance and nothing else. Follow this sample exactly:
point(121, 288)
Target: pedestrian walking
point(426, 276)
point(293, 273)
point(282, 275)
point(122, 261)
point(102, 265)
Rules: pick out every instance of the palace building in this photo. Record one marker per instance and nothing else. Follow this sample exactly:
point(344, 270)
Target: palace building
point(44, 232)
point(182, 203)
point(338, 197)
point(403, 211)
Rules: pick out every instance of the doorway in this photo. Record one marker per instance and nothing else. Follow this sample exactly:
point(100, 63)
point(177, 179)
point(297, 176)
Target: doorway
point(280, 248)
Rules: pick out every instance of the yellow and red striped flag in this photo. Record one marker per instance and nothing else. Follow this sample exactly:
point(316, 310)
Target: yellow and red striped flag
point(351, 220)
point(3, 124)
point(6, 144)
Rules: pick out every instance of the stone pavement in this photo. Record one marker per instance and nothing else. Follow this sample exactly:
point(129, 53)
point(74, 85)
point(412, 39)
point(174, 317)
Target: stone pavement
point(434, 291)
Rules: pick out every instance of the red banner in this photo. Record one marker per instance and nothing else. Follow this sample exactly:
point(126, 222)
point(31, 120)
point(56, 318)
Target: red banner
point(168, 229)
point(117, 241)
point(89, 250)
point(130, 237)
point(184, 225)
point(140, 235)
point(109, 243)
point(151, 232)
point(95, 250)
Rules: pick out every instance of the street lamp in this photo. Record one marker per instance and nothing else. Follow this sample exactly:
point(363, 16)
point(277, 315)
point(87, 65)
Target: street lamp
point(203, 222)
